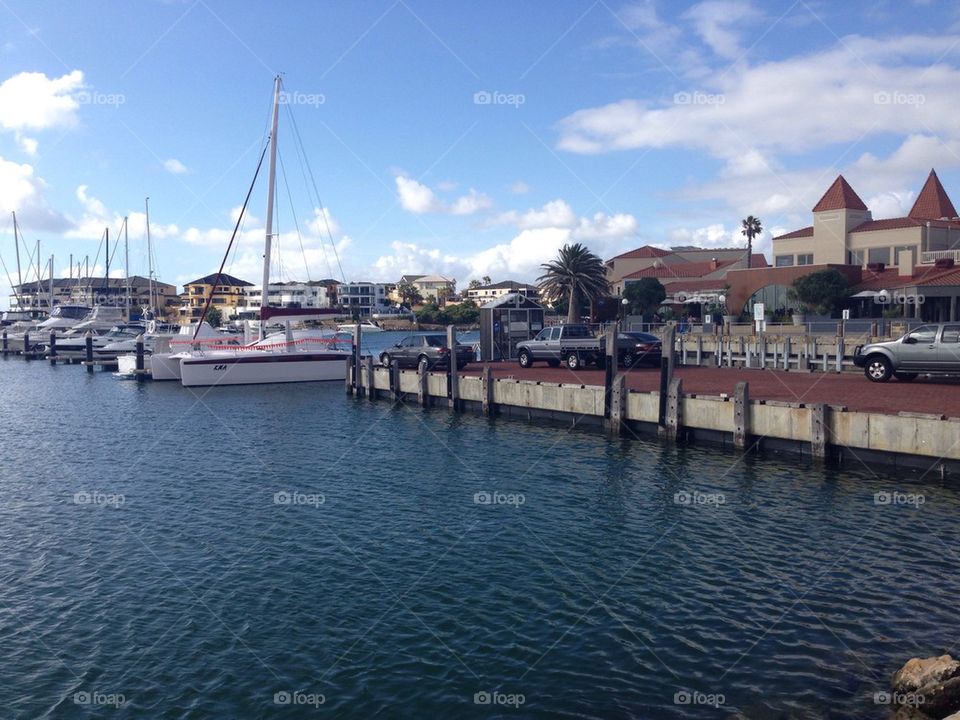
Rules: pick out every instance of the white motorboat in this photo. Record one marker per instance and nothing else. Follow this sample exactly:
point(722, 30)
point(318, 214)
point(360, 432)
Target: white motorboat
point(365, 326)
point(153, 334)
point(306, 358)
point(74, 344)
point(62, 319)
point(393, 313)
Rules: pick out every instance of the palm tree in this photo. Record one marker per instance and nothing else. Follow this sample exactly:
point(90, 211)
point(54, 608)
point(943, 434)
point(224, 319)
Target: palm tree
point(409, 295)
point(576, 274)
point(751, 228)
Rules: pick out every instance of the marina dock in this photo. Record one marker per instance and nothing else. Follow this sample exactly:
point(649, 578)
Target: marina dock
point(745, 410)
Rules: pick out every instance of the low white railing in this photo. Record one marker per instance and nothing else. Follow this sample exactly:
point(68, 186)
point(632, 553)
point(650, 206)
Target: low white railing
point(929, 257)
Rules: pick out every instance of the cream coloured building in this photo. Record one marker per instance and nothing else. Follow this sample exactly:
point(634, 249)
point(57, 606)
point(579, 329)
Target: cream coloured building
point(845, 233)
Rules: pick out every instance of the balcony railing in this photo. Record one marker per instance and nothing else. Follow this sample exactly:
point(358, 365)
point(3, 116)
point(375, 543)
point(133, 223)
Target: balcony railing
point(931, 256)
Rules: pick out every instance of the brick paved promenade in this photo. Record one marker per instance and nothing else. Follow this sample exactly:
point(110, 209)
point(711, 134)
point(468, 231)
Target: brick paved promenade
point(924, 395)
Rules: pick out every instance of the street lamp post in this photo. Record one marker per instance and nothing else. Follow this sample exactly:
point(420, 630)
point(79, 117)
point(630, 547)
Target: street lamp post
point(624, 303)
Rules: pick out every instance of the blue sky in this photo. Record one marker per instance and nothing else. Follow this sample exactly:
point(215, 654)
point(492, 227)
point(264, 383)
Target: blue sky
point(613, 124)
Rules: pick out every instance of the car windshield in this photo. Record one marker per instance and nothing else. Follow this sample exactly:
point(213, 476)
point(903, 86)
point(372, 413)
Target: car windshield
point(436, 340)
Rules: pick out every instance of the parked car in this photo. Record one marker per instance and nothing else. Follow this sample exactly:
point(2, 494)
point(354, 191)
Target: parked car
point(432, 348)
point(637, 348)
point(548, 344)
point(926, 349)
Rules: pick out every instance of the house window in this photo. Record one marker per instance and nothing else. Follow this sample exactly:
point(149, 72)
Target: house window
point(784, 260)
point(806, 259)
point(854, 258)
point(879, 255)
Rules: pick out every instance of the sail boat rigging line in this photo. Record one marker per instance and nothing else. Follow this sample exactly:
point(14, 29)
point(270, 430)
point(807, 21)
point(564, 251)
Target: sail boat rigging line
point(306, 161)
point(293, 212)
point(243, 210)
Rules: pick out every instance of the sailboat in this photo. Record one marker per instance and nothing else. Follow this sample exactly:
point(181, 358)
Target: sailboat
point(292, 356)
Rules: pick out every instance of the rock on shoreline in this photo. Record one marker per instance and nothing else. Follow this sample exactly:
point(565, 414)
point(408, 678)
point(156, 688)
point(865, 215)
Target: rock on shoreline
point(927, 688)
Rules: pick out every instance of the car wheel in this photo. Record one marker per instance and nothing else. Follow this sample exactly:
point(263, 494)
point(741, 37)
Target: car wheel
point(573, 360)
point(905, 377)
point(553, 363)
point(878, 368)
point(629, 359)
point(385, 359)
point(424, 359)
point(525, 359)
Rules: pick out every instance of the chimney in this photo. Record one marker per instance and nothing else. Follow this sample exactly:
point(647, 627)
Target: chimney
point(905, 262)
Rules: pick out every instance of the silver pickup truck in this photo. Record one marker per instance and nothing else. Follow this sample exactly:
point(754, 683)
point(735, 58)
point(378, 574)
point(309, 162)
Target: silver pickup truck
point(548, 344)
point(931, 349)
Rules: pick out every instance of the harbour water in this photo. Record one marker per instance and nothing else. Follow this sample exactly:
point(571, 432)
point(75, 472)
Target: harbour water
point(287, 551)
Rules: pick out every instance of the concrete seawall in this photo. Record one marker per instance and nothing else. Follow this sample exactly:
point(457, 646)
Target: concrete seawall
point(924, 442)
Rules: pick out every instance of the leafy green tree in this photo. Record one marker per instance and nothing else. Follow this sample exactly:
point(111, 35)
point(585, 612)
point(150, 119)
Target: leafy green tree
point(751, 228)
point(486, 280)
point(577, 274)
point(644, 295)
point(214, 316)
point(474, 284)
point(823, 291)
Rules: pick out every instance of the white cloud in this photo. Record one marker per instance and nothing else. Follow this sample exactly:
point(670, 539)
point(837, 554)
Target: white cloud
point(541, 232)
point(22, 191)
point(419, 199)
point(470, 203)
point(27, 144)
point(859, 88)
point(32, 101)
point(416, 197)
point(717, 23)
point(519, 187)
point(175, 167)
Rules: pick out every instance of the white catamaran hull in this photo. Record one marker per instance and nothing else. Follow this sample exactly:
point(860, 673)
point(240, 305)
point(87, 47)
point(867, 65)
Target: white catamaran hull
point(165, 366)
point(255, 368)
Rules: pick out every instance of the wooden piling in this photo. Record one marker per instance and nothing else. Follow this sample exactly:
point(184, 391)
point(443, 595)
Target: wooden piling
point(664, 387)
point(26, 344)
point(423, 387)
point(674, 409)
point(454, 373)
point(395, 381)
point(52, 351)
point(741, 415)
point(486, 391)
point(609, 366)
point(88, 350)
point(618, 405)
point(140, 355)
point(669, 340)
point(349, 377)
point(357, 358)
point(6, 343)
point(818, 430)
point(370, 377)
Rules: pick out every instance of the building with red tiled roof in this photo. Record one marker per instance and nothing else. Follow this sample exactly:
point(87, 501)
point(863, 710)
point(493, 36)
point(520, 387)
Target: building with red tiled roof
point(839, 196)
point(680, 262)
point(844, 232)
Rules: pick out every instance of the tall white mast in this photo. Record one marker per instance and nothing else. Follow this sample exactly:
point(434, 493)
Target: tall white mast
point(51, 284)
point(126, 268)
point(146, 203)
point(264, 288)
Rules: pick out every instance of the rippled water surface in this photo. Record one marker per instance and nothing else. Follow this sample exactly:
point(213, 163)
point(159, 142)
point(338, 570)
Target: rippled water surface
point(219, 552)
